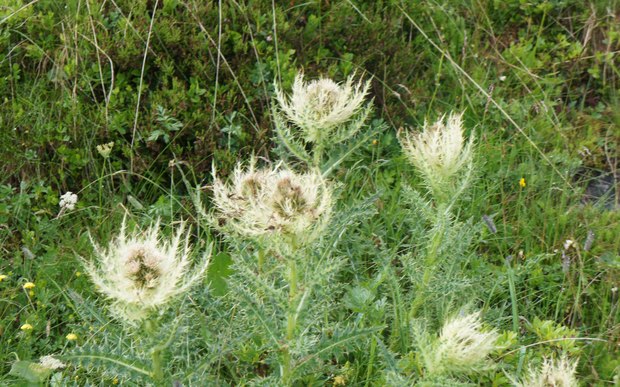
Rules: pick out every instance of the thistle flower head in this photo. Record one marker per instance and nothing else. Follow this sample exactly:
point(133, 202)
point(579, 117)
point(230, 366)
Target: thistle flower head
point(143, 271)
point(439, 152)
point(268, 202)
point(462, 346)
point(553, 373)
point(318, 106)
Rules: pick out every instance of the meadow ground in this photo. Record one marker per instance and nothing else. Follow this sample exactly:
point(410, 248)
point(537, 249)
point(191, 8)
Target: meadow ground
point(371, 261)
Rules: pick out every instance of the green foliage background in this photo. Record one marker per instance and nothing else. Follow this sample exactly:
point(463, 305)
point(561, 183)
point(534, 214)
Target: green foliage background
point(180, 85)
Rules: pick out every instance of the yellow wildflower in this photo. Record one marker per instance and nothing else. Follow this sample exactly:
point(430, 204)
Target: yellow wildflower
point(71, 337)
point(522, 182)
point(115, 381)
point(3, 277)
point(340, 381)
point(29, 285)
point(78, 273)
point(26, 327)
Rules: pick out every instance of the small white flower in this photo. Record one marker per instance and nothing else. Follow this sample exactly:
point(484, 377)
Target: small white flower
point(142, 271)
point(502, 78)
point(553, 373)
point(462, 346)
point(51, 362)
point(321, 105)
point(440, 153)
point(68, 201)
point(269, 202)
point(105, 149)
point(568, 244)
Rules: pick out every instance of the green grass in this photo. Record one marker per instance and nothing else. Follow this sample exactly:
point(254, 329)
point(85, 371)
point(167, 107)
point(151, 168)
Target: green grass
point(188, 85)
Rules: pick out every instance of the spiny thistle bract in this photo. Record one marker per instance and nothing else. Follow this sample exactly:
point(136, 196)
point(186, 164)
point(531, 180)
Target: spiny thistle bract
point(272, 202)
point(319, 106)
point(552, 373)
point(142, 271)
point(440, 153)
point(462, 347)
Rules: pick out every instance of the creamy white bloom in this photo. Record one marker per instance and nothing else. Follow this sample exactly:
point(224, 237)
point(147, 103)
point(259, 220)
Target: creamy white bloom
point(105, 149)
point(439, 152)
point(462, 346)
point(68, 201)
point(143, 271)
point(269, 202)
point(51, 362)
point(552, 373)
point(318, 106)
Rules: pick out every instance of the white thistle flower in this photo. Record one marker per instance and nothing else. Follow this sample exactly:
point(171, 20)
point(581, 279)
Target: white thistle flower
point(142, 272)
point(440, 153)
point(553, 373)
point(321, 105)
point(462, 346)
point(270, 202)
point(50, 362)
point(68, 201)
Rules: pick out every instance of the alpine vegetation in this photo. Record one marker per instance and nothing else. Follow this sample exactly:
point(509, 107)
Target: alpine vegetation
point(272, 204)
point(347, 251)
point(142, 271)
point(324, 113)
point(441, 155)
point(553, 373)
point(463, 346)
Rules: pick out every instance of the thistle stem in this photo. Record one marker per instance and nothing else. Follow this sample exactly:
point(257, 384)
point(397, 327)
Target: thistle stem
point(430, 264)
point(318, 154)
point(290, 326)
point(291, 323)
point(157, 369)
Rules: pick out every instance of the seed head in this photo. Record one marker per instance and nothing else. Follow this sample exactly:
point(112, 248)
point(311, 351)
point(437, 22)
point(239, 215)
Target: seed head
point(143, 271)
point(319, 106)
point(272, 202)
